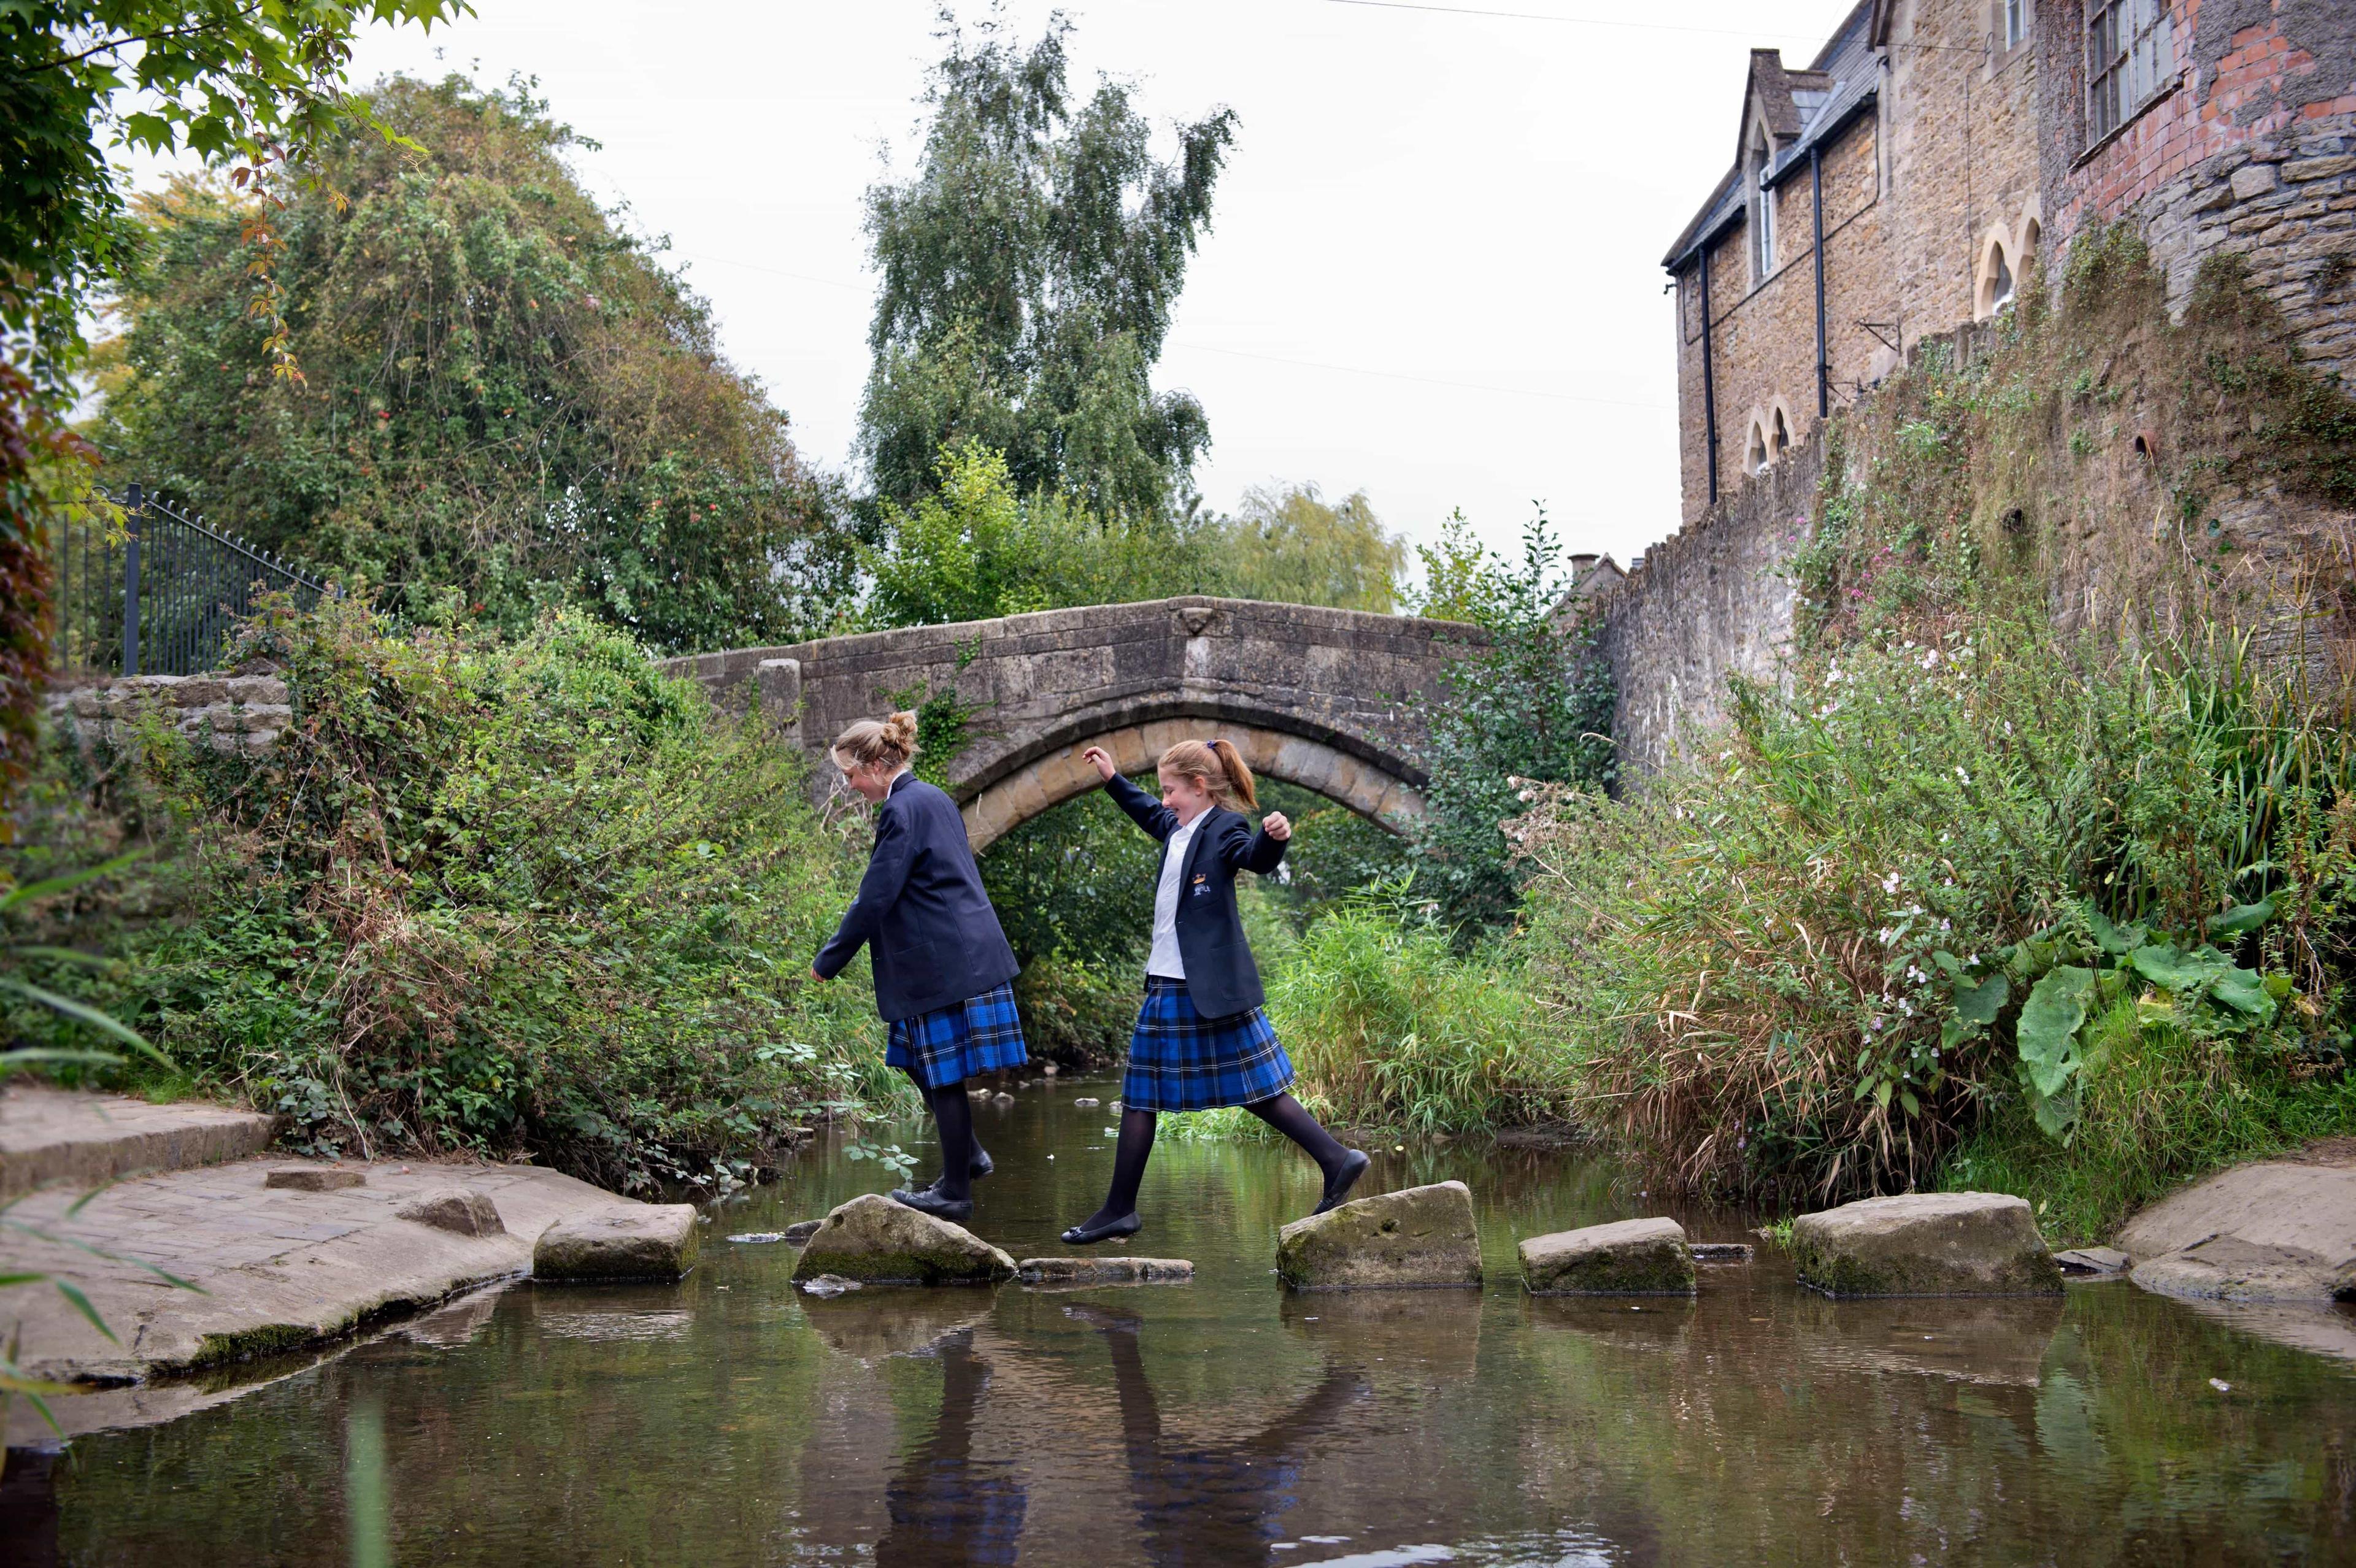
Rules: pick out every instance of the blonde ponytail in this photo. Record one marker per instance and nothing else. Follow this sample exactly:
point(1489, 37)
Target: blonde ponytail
point(875, 743)
point(1219, 766)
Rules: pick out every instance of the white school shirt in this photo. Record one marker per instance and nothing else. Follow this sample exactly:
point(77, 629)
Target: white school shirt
point(1164, 960)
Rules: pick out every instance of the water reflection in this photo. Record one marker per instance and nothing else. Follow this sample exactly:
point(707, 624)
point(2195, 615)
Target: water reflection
point(1212, 1502)
point(728, 1421)
point(946, 1506)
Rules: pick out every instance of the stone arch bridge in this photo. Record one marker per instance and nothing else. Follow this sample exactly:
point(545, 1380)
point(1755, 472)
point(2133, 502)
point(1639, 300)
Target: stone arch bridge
point(1317, 697)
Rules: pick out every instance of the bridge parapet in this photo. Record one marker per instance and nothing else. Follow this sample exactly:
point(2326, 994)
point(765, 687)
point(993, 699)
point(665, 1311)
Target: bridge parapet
point(1326, 699)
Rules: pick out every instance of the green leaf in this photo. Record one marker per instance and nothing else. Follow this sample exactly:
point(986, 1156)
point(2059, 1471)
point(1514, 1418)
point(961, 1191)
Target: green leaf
point(1980, 1004)
point(2242, 919)
point(1949, 964)
point(70, 879)
point(2172, 969)
point(2243, 991)
point(73, 1293)
point(2112, 939)
point(81, 1012)
point(2050, 1021)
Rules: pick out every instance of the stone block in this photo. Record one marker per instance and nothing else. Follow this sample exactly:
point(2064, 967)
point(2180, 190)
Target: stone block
point(639, 1241)
point(877, 1241)
point(1419, 1238)
point(313, 1179)
point(2299, 169)
point(1925, 1244)
point(457, 1209)
point(1632, 1257)
point(1104, 1270)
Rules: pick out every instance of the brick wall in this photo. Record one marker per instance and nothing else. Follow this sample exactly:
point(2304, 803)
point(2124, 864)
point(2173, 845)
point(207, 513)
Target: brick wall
point(2251, 153)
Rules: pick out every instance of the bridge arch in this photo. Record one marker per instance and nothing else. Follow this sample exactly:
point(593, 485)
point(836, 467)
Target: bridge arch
point(1330, 699)
point(1380, 795)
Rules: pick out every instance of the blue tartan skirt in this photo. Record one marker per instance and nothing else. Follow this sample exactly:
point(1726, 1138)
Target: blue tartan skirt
point(962, 1040)
point(1180, 1061)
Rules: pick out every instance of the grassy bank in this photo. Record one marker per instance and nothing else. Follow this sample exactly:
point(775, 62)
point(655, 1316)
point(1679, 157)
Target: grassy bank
point(2034, 871)
point(511, 899)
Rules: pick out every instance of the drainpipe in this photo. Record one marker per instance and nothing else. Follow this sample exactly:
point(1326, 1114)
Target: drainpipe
point(1816, 206)
point(1709, 383)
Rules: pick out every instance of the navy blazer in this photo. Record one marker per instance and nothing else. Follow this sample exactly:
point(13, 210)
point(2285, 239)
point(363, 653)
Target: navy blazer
point(931, 934)
point(1221, 979)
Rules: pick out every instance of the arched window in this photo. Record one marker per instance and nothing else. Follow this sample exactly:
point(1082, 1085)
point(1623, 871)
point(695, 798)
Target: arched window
point(1780, 442)
point(1762, 206)
point(1758, 459)
point(1996, 283)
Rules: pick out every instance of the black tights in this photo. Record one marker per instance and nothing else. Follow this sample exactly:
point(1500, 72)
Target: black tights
point(1283, 1112)
point(953, 1115)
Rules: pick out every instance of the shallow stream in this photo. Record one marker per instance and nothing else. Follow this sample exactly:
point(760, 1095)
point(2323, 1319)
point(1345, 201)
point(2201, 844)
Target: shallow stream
point(728, 1420)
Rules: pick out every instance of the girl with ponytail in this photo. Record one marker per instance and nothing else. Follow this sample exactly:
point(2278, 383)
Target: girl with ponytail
point(1202, 1039)
point(943, 970)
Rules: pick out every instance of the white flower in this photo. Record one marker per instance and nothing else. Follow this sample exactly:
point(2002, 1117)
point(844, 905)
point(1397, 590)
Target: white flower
point(1890, 883)
point(1963, 775)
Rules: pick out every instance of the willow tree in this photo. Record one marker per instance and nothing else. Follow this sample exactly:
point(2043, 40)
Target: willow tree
point(505, 401)
point(1029, 268)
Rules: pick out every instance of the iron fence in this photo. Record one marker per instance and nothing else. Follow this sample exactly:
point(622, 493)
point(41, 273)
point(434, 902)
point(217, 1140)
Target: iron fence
point(160, 594)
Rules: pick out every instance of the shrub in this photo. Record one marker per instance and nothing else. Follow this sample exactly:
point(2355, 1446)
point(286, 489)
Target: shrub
point(1389, 1027)
point(1801, 965)
point(529, 899)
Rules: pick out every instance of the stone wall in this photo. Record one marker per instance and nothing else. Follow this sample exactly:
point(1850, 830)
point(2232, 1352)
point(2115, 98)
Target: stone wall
point(1764, 340)
point(1710, 601)
point(2251, 153)
point(226, 712)
point(1037, 689)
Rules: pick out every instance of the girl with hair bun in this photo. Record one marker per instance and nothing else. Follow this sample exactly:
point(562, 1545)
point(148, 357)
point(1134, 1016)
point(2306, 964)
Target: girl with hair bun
point(943, 970)
point(1202, 1039)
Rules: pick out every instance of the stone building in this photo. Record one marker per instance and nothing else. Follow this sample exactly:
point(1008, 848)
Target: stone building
point(1901, 184)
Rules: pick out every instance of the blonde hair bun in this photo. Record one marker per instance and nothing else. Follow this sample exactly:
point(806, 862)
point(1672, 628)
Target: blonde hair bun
point(873, 743)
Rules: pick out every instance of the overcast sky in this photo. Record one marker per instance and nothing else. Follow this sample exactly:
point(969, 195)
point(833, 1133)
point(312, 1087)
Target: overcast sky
point(1433, 270)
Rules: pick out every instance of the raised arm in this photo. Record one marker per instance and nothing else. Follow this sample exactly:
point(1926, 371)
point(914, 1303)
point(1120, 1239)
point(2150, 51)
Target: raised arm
point(1144, 810)
point(1246, 850)
point(878, 889)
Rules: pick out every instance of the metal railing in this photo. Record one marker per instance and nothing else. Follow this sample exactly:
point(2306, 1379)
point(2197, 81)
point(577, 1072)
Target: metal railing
point(161, 595)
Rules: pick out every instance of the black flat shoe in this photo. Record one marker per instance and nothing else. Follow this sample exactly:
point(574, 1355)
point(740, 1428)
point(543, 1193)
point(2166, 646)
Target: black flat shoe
point(924, 1200)
point(1338, 1185)
point(982, 1166)
point(1089, 1235)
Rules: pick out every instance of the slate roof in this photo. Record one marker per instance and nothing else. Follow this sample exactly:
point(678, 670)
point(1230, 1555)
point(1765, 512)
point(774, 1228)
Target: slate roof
point(1801, 107)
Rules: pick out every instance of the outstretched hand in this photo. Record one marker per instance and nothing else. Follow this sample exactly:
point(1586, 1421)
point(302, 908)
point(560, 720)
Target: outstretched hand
point(1277, 825)
point(1101, 761)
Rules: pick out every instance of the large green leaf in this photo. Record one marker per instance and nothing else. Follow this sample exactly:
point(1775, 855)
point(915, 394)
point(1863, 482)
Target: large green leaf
point(2243, 920)
point(2244, 991)
point(1980, 1004)
point(2113, 939)
point(2173, 969)
point(2050, 1021)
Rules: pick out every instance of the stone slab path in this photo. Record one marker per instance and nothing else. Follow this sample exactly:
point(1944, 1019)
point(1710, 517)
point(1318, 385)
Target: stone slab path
point(279, 1268)
point(51, 1136)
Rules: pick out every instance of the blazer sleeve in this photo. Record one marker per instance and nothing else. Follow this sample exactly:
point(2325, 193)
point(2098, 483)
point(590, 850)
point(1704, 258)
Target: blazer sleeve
point(1247, 850)
point(878, 889)
point(1144, 810)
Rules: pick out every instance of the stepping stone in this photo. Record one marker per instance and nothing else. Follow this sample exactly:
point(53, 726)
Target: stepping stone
point(757, 1238)
point(1633, 1257)
point(1719, 1252)
point(1104, 1270)
point(642, 1241)
point(1088, 1102)
point(2081, 1263)
point(1925, 1244)
point(801, 1231)
point(455, 1209)
point(313, 1179)
point(1419, 1238)
point(877, 1241)
point(827, 1284)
